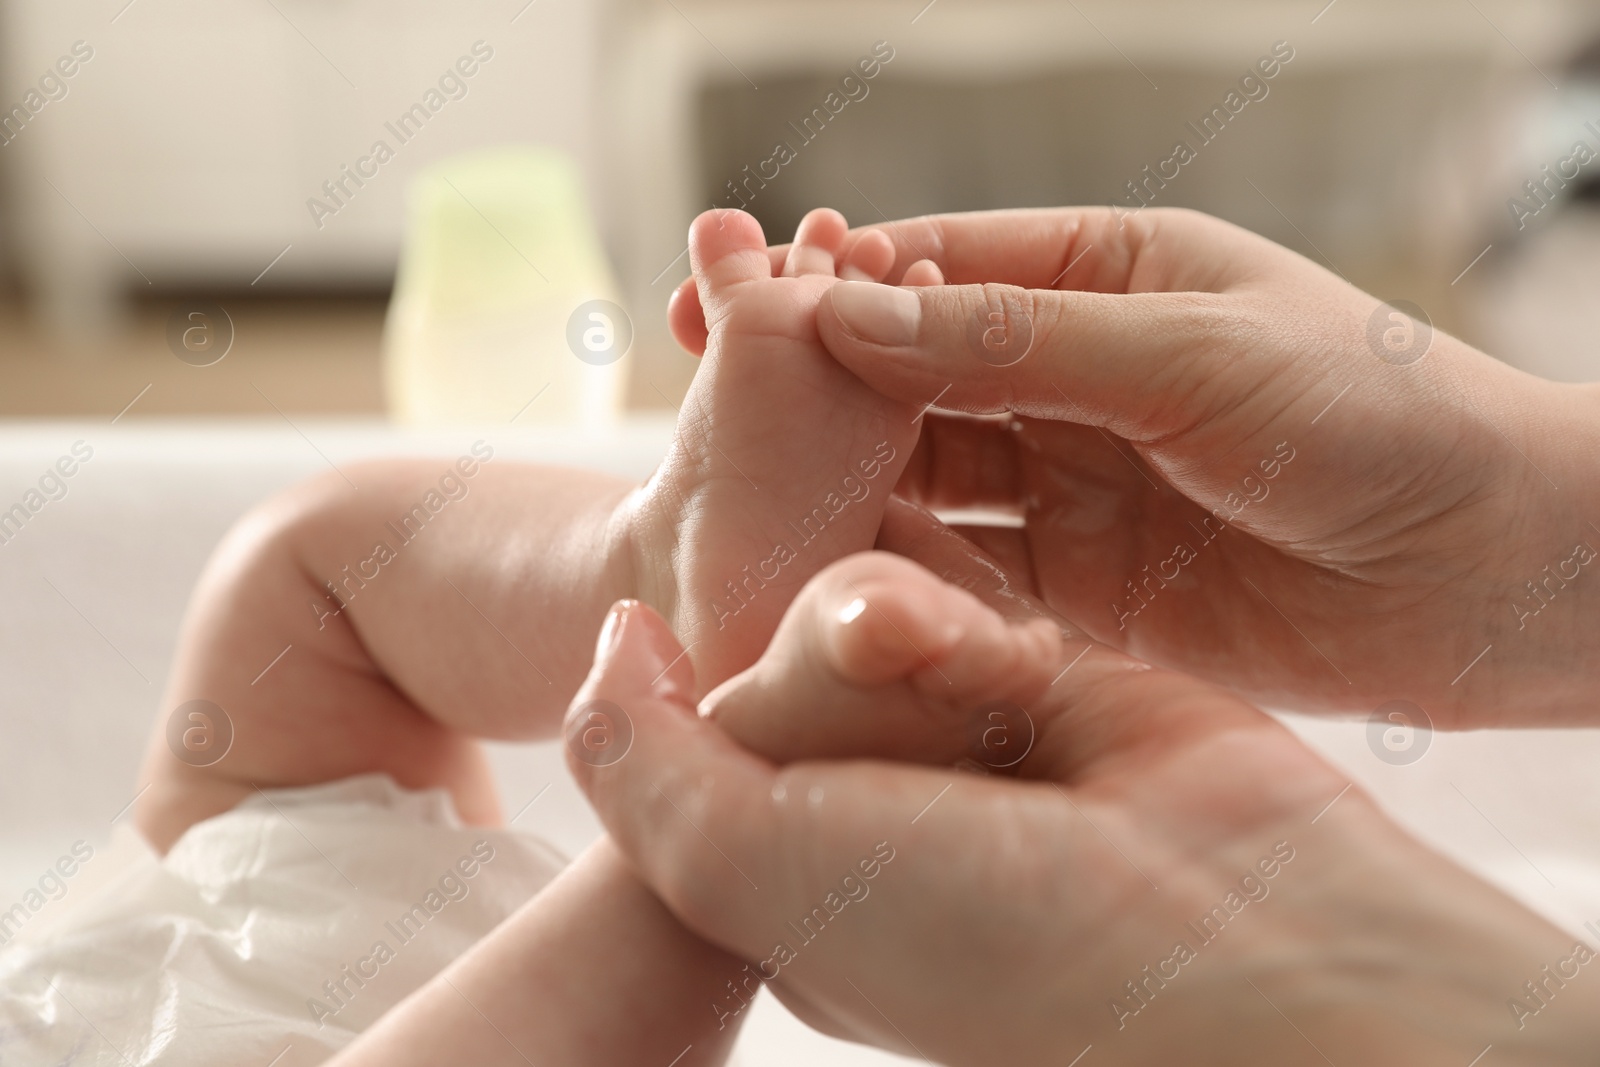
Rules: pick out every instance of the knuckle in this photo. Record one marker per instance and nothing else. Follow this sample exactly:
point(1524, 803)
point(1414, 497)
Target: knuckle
point(1002, 325)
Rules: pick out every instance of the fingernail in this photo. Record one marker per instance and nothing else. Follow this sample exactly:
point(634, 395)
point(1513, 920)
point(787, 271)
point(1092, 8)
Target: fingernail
point(611, 631)
point(637, 654)
point(881, 314)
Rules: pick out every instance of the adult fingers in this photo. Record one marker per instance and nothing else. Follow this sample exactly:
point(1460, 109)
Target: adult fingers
point(1146, 325)
point(733, 845)
point(1134, 363)
point(1009, 548)
point(1095, 249)
point(993, 463)
point(1104, 709)
point(964, 462)
point(912, 531)
point(662, 780)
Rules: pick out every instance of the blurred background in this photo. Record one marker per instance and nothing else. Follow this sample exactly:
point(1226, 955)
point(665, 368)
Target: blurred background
point(207, 178)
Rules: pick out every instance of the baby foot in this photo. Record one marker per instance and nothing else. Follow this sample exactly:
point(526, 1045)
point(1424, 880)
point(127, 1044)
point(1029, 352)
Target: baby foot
point(864, 255)
point(880, 658)
point(782, 460)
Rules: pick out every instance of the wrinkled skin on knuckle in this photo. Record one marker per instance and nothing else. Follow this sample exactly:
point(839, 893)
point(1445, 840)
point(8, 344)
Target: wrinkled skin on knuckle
point(1223, 357)
point(1009, 314)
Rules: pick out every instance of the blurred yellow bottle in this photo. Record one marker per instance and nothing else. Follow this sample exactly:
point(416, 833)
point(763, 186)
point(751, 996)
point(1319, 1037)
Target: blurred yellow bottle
point(503, 295)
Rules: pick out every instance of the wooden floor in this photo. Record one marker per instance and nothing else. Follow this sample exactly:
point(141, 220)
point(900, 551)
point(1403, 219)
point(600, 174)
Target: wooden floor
point(303, 355)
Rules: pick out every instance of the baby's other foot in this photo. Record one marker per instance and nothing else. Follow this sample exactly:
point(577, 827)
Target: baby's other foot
point(880, 658)
point(782, 460)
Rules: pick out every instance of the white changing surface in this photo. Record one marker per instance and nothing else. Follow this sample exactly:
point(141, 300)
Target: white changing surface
point(83, 664)
point(92, 590)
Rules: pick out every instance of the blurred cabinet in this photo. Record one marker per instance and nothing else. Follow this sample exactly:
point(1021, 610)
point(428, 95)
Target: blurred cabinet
point(187, 149)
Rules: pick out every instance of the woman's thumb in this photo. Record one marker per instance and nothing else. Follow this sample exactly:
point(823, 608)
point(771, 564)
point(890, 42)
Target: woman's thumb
point(1114, 360)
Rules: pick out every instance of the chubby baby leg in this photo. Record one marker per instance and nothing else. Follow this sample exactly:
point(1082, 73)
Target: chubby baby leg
point(378, 620)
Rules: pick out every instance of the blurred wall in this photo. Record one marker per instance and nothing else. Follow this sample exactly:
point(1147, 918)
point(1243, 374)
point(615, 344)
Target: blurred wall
point(1385, 149)
point(187, 145)
point(1326, 161)
point(184, 153)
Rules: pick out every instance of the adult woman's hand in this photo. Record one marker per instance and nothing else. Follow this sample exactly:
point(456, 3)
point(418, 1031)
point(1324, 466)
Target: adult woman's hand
point(1174, 877)
point(1229, 461)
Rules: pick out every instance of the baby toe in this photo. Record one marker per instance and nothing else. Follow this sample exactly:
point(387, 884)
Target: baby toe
point(923, 272)
point(817, 241)
point(687, 319)
point(726, 249)
point(870, 259)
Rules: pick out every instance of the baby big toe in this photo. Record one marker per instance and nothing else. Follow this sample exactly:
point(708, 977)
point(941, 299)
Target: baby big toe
point(726, 249)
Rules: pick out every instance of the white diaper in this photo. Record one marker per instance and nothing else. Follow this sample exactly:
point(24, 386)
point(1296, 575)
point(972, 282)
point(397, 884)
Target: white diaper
point(272, 934)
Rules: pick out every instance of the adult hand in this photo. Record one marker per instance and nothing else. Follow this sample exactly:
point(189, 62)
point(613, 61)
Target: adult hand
point(1229, 461)
point(981, 920)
